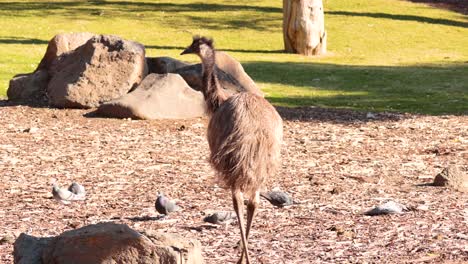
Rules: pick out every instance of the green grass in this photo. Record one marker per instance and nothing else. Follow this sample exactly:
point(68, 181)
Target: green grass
point(384, 55)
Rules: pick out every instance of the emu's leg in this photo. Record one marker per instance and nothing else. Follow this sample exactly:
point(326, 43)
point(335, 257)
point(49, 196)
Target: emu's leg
point(251, 208)
point(238, 202)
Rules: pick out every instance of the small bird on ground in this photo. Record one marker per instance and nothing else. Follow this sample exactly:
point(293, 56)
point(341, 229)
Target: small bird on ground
point(77, 189)
point(220, 217)
point(278, 198)
point(389, 207)
point(164, 205)
point(64, 196)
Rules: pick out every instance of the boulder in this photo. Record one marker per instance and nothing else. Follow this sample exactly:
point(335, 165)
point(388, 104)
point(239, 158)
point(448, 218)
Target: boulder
point(104, 68)
point(28, 249)
point(177, 249)
point(234, 69)
point(32, 86)
point(158, 96)
point(453, 177)
point(107, 243)
point(63, 43)
point(28, 86)
point(164, 65)
point(230, 72)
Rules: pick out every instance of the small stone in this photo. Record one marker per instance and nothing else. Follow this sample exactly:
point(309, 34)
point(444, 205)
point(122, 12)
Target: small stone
point(370, 115)
point(31, 130)
point(74, 225)
point(452, 177)
point(336, 190)
point(7, 239)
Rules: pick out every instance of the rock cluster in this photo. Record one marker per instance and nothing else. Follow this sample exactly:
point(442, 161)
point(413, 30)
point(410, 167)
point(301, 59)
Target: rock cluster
point(85, 70)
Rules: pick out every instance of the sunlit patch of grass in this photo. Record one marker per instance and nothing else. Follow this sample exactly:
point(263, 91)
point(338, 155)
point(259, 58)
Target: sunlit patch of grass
point(385, 55)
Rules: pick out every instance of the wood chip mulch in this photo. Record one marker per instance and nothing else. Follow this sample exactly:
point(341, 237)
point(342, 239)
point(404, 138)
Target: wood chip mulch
point(336, 165)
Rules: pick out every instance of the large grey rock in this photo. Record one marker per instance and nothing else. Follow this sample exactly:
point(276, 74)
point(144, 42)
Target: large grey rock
point(453, 177)
point(28, 249)
point(230, 73)
point(107, 243)
point(27, 86)
point(63, 43)
point(32, 86)
point(164, 64)
point(104, 68)
point(158, 96)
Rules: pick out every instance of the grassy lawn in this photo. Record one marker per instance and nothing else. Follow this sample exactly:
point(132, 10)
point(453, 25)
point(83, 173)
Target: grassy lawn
point(384, 55)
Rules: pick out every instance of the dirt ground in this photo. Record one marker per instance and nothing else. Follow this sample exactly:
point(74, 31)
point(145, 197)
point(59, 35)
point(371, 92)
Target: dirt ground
point(336, 165)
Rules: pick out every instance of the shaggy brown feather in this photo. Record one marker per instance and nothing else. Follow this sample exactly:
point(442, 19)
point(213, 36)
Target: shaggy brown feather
point(245, 136)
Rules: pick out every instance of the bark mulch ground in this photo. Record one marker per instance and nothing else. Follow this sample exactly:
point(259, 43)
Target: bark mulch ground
point(336, 165)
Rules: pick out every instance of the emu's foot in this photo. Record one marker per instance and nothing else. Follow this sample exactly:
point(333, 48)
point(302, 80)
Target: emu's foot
point(243, 260)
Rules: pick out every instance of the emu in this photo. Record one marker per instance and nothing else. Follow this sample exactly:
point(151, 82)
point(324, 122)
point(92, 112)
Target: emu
point(244, 135)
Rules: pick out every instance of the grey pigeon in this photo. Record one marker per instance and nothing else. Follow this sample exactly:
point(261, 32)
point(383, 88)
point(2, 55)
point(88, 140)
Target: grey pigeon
point(220, 217)
point(77, 189)
point(64, 196)
point(389, 207)
point(278, 198)
point(164, 205)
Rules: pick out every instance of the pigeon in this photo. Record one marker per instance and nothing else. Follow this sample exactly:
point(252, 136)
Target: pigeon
point(220, 217)
point(389, 207)
point(164, 205)
point(77, 189)
point(64, 196)
point(278, 198)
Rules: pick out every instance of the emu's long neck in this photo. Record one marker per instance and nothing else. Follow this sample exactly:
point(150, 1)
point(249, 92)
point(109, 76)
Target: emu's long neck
point(214, 95)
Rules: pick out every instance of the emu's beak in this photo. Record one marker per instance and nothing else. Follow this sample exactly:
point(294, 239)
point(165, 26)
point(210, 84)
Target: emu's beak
point(187, 51)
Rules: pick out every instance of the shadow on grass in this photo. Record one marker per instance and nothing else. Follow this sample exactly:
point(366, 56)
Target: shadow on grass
point(422, 19)
point(332, 115)
point(146, 10)
point(227, 50)
point(414, 89)
point(460, 6)
point(96, 8)
point(17, 40)
point(131, 6)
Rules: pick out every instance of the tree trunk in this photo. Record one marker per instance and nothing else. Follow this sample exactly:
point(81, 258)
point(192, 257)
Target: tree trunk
point(304, 27)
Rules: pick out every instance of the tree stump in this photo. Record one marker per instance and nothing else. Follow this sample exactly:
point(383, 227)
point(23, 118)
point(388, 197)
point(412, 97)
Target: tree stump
point(304, 27)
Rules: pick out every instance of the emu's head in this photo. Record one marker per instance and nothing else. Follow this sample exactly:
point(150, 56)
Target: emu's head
point(199, 46)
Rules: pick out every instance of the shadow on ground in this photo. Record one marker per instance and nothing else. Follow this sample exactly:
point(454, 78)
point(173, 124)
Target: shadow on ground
point(180, 48)
point(421, 89)
point(303, 114)
point(460, 6)
point(144, 218)
point(422, 19)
